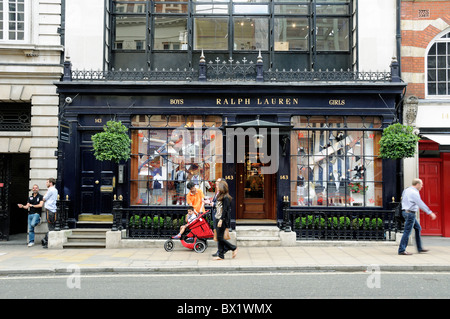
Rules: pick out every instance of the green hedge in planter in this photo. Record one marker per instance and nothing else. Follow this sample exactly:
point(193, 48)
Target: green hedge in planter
point(314, 222)
point(136, 221)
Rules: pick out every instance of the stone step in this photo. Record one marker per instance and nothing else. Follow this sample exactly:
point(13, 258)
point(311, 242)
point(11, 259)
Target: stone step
point(266, 241)
point(86, 238)
point(90, 244)
point(79, 238)
point(89, 232)
point(95, 218)
point(95, 221)
point(258, 236)
point(94, 224)
point(257, 231)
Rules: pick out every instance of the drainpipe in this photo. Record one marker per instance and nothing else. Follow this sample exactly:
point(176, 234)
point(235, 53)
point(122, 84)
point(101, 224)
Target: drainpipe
point(59, 153)
point(399, 114)
point(399, 36)
point(62, 29)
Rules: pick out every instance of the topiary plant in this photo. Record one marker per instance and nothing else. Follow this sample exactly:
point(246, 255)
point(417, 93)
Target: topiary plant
point(113, 144)
point(398, 141)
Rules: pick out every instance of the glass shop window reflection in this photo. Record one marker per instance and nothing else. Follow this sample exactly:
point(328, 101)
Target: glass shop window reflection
point(334, 161)
point(170, 151)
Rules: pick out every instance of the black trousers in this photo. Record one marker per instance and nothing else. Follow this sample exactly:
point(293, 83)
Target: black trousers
point(223, 245)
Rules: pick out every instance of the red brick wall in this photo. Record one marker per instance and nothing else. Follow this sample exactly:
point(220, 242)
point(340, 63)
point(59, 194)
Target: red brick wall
point(417, 10)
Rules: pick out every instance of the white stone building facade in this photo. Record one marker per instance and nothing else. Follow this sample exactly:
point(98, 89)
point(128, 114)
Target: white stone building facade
point(30, 63)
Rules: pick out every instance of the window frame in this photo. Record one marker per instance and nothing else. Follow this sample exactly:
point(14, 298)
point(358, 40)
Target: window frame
point(231, 14)
point(442, 37)
point(240, 17)
point(114, 30)
point(166, 126)
point(300, 189)
point(26, 22)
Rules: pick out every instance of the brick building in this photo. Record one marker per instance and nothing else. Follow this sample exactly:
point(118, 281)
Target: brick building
point(425, 66)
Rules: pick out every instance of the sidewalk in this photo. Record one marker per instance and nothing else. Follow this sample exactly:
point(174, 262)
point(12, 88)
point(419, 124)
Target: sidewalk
point(17, 258)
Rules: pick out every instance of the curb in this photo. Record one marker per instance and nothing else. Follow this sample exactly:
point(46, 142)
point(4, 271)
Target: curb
point(227, 269)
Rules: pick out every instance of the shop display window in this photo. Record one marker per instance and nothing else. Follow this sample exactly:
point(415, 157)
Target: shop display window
point(168, 151)
point(334, 161)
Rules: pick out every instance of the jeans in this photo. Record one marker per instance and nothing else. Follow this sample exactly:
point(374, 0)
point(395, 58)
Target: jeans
point(410, 223)
point(33, 220)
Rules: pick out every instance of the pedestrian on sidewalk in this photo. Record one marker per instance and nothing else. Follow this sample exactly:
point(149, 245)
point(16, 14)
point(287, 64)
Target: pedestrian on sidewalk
point(190, 217)
point(195, 198)
point(214, 207)
point(223, 219)
point(411, 202)
point(50, 198)
point(34, 206)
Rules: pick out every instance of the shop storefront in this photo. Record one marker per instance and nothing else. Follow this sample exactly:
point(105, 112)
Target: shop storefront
point(434, 164)
point(314, 145)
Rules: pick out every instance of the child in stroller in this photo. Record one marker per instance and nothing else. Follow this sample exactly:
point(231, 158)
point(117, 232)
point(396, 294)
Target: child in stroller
point(193, 235)
point(190, 217)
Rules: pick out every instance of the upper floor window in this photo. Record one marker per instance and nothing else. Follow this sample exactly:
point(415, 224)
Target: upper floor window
point(438, 67)
point(306, 29)
point(12, 20)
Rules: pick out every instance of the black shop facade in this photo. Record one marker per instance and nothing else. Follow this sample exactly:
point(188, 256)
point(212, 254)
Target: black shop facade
point(281, 147)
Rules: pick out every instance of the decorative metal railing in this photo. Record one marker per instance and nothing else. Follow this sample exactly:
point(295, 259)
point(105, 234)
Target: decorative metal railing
point(311, 224)
point(15, 118)
point(159, 223)
point(63, 207)
point(154, 222)
point(135, 75)
point(232, 71)
point(377, 225)
point(325, 76)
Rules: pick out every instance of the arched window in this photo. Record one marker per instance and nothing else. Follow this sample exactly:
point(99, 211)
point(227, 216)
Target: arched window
point(438, 67)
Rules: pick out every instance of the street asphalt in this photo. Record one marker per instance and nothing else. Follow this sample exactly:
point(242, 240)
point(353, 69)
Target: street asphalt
point(18, 259)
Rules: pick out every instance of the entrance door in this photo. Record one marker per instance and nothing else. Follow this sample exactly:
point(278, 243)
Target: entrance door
point(97, 180)
point(14, 180)
point(430, 174)
point(5, 178)
point(255, 191)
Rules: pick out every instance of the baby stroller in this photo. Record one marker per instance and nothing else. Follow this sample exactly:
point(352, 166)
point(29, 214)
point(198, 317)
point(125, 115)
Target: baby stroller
point(194, 236)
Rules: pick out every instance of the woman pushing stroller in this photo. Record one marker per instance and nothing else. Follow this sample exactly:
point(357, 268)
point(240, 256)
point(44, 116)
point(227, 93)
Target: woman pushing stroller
point(195, 200)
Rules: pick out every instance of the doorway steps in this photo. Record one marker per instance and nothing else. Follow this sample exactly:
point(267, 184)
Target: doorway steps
point(258, 236)
point(90, 231)
point(86, 238)
point(95, 221)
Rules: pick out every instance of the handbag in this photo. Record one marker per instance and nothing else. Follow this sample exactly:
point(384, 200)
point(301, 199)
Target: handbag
point(226, 234)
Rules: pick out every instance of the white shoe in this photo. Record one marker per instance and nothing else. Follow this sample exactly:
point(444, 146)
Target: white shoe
point(31, 244)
